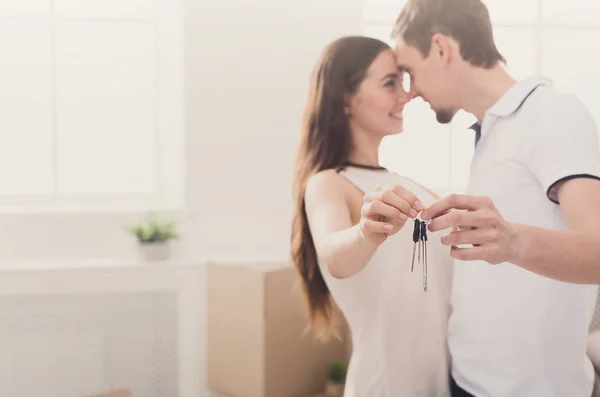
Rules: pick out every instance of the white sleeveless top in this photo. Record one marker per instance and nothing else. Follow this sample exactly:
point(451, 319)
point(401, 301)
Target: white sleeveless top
point(399, 346)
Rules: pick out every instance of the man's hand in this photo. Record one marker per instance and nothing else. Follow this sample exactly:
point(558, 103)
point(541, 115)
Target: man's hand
point(476, 221)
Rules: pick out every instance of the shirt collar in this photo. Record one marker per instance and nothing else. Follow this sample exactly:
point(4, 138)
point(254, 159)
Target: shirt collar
point(512, 100)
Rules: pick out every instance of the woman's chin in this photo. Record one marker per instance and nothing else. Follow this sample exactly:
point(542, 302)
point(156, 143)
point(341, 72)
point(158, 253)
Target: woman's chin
point(397, 129)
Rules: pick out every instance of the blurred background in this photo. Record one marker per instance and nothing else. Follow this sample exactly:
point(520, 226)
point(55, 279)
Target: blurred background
point(111, 110)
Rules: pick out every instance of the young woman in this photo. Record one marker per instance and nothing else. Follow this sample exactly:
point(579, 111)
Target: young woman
point(352, 236)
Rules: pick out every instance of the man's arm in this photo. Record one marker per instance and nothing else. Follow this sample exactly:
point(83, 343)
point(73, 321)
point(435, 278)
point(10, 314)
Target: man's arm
point(568, 255)
point(561, 146)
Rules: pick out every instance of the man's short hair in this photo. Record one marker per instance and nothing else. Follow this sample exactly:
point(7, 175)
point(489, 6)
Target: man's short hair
point(466, 21)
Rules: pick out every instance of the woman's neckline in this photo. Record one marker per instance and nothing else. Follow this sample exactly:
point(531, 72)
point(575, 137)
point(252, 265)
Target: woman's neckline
point(362, 166)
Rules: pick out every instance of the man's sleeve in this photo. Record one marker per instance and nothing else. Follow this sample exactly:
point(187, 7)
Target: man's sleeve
point(563, 145)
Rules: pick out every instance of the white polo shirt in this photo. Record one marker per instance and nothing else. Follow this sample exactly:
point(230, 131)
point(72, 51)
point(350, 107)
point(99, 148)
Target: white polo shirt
point(513, 333)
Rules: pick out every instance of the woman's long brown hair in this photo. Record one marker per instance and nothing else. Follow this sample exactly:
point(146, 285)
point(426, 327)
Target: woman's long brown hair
point(325, 143)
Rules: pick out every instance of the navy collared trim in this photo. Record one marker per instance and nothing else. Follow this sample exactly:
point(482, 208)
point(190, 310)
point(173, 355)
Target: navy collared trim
point(551, 192)
point(477, 128)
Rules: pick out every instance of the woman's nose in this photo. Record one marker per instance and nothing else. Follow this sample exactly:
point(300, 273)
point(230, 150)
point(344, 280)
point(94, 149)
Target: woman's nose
point(403, 96)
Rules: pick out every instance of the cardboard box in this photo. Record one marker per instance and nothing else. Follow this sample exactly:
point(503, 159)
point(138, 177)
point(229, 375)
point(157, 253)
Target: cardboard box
point(257, 344)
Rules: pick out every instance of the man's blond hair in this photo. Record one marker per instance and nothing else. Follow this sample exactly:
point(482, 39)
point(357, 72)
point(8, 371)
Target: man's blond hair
point(466, 21)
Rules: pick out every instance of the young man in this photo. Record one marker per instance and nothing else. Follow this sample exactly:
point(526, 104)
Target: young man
point(518, 328)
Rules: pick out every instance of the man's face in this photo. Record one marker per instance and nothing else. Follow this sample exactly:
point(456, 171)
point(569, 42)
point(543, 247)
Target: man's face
point(430, 78)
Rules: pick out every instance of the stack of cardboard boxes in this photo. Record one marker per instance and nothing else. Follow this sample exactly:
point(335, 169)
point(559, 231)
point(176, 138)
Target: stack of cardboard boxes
point(257, 340)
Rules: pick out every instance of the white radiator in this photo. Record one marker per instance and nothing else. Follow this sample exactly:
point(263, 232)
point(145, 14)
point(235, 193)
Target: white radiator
point(73, 331)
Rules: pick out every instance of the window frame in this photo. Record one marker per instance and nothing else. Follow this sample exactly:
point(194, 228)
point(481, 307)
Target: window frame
point(167, 18)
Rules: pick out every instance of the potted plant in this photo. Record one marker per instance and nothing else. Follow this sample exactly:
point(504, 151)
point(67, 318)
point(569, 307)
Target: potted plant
point(336, 377)
point(153, 237)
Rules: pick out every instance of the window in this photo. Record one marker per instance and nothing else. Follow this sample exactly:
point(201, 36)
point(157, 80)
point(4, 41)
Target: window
point(91, 105)
point(554, 38)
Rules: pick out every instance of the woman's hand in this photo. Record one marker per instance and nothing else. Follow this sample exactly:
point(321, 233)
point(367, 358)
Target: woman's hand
point(386, 210)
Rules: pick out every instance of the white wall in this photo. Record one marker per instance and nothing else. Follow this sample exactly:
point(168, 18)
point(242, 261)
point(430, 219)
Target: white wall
point(247, 79)
point(248, 64)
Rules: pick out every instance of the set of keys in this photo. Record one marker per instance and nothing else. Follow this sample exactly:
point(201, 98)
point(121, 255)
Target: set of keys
point(420, 238)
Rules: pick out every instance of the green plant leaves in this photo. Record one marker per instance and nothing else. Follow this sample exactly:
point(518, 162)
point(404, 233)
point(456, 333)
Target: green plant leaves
point(337, 371)
point(154, 230)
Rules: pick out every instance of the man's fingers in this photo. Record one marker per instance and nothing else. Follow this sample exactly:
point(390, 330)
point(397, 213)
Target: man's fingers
point(461, 220)
point(468, 254)
point(474, 237)
point(456, 201)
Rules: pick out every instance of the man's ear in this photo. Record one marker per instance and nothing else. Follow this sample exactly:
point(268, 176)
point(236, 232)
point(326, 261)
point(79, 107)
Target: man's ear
point(441, 48)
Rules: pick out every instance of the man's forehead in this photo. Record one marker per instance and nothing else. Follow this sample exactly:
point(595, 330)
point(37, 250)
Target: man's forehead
point(402, 48)
point(398, 40)
point(404, 54)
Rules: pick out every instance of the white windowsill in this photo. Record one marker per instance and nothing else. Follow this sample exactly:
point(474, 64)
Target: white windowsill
point(101, 264)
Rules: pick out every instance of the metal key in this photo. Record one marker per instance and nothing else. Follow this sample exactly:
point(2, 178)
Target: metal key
point(424, 242)
point(416, 234)
point(418, 222)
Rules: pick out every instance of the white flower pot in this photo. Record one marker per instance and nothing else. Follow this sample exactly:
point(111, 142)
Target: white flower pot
point(154, 251)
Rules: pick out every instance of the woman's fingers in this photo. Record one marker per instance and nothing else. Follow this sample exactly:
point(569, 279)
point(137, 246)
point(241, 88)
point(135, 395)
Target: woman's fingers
point(404, 203)
point(370, 226)
point(404, 194)
point(387, 209)
point(376, 208)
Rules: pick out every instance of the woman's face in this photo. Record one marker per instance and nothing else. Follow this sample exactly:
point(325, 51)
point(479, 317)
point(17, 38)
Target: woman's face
point(376, 108)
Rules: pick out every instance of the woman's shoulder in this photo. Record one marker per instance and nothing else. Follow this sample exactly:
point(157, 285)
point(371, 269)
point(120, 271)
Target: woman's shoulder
point(329, 178)
point(324, 176)
point(327, 182)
